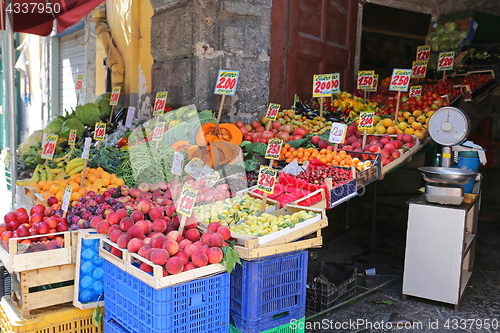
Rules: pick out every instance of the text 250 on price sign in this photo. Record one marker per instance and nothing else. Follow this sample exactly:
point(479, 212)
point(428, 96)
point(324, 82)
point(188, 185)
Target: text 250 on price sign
point(415, 91)
point(400, 79)
point(366, 120)
point(423, 52)
point(418, 69)
point(186, 202)
point(272, 111)
point(365, 79)
point(161, 100)
point(445, 61)
point(100, 131)
point(337, 133)
point(158, 131)
point(49, 146)
point(115, 96)
point(274, 149)
point(322, 85)
point(267, 177)
point(226, 82)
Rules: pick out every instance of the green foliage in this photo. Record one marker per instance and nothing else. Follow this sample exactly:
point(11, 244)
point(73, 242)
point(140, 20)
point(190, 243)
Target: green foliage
point(72, 123)
point(230, 258)
point(55, 125)
point(88, 114)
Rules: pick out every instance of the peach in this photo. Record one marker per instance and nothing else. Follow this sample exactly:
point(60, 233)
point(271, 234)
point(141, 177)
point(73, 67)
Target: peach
point(144, 206)
point(390, 147)
point(205, 237)
point(144, 187)
point(155, 214)
point(171, 246)
point(191, 222)
point(135, 245)
point(157, 242)
point(198, 244)
point(135, 232)
point(212, 227)
point(182, 254)
point(174, 265)
point(225, 232)
point(204, 248)
point(170, 211)
point(114, 235)
point(214, 255)
point(113, 228)
point(162, 186)
point(147, 240)
point(137, 215)
point(183, 243)
point(190, 249)
point(159, 256)
point(134, 193)
point(159, 225)
point(113, 218)
point(145, 225)
point(165, 272)
point(123, 241)
point(396, 154)
point(385, 153)
point(199, 259)
point(126, 223)
point(116, 252)
point(176, 222)
point(189, 266)
point(397, 144)
point(101, 227)
point(146, 268)
point(144, 250)
point(215, 239)
point(193, 235)
point(122, 212)
point(148, 253)
point(407, 138)
point(174, 235)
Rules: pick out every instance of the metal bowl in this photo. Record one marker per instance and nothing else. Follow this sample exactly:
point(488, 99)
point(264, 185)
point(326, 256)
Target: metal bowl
point(447, 175)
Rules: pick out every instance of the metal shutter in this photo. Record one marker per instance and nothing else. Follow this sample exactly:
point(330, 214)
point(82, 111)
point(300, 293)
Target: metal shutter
point(71, 63)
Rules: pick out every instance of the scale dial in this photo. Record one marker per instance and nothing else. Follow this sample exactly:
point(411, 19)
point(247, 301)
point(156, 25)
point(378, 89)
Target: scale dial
point(449, 126)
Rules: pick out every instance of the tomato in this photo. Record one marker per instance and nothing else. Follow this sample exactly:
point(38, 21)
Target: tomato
point(434, 106)
point(123, 142)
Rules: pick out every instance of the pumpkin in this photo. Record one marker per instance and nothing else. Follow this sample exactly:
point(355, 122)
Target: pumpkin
point(225, 132)
point(225, 152)
point(181, 146)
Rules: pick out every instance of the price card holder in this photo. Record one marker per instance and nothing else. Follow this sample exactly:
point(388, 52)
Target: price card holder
point(365, 123)
point(78, 87)
point(445, 61)
point(66, 199)
point(130, 116)
point(415, 91)
point(337, 133)
point(158, 131)
point(177, 163)
point(400, 81)
point(160, 102)
point(115, 96)
point(49, 146)
point(375, 84)
point(273, 150)
point(85, 156)
point(365, 79)
point(336, 83)
point(419, 69)
point(322, 87)
point(72, 137)
point(272, 111)
point(185, 205)
point(266, 180)
point(423, 53)
point(226, 85)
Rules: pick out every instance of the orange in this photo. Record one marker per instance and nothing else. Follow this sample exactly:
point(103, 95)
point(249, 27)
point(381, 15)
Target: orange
point(343, 154)
point(60, 196)
point(301, 149)
point(291, 149)
point(45, 186)
point(300, 154)
point(41, 183)
point(92, 178)
point(106, 181)
point(119, 182)
point(75, 186)
point(282, 157)
point(335, 163)
point(82, 191)
point(287, 146)
point(100, 169)
point(288, 154)
point(78, 179)
point(288, 160)
point(54, 188)
point(307, 153)
point(338, 158)
point(75, 196)
point(295, 153)
point(46, 195)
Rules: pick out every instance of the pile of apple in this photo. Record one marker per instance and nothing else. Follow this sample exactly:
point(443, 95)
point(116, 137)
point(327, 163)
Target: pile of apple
point(40, 221)
point(256, 132)
point(157, 194)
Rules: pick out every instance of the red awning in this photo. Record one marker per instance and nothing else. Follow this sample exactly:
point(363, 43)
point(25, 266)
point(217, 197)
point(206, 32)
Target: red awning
point(37, 16)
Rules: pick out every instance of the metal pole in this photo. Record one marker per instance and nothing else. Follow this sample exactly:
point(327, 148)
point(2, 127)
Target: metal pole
point(11, 96)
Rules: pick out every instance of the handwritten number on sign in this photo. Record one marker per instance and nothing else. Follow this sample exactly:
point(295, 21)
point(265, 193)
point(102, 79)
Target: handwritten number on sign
point(226, 83)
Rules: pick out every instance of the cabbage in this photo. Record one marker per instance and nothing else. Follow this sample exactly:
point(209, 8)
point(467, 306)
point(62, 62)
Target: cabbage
point(445, 45)
point(435, 46)
point(463, 33)
point(54, 126)
point(454, 35)
point(444, 37)
point(433, 36)
point(451, 26)
point(88, 114)
point(441, 29)
point(72, 123)
point(104, 107)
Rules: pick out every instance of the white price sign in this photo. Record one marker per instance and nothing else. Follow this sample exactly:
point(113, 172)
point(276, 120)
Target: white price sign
point(337, 133)
point(130, 116)
point(86, 148)
point(418, 69)
point(400, 79)
point(226, 82)
point(445, 61)
point(322, 85)
point(177, 163)
point(66, 198)
point(49, 146)
point(186, 202)
point(158, 131)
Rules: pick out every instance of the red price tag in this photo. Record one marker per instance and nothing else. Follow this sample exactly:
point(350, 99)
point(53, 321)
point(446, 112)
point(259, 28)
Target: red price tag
point(274, 149)
point(226, 82)
point(49, 146)
point(322, 85)
point(335, 83)
point(100, 131)
point(186, 201)
point(115, 96)
point(158, 131)
point(445, 61)
point(400, 79)
point(272, 111)
point(366, 120)
point(418, 69)
point(79, 82)
point(72, 137)
point(365, 79)
point(266, 180)
point(423, 53)
point(337, 133)
point(161, 100)
point(415, 91)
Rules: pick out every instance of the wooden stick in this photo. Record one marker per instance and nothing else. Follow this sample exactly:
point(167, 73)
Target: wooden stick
point(397, 108)
point(99, 145)
point(336, 146)
point(46, 162)
point(220, 112)
point(364, 138)
point(84, 170)
point(264, 201)
point(183, 223)
point(321, 100)
point(444, 75)
point(77, 98)
point(365, 95)
point(112, 111)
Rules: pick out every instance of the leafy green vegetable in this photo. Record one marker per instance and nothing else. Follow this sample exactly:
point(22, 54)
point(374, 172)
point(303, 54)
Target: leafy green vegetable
point(88, 114)
point(231, 257)
point(257, 148)
point(104, 108)
point(55, 125)
point(72, 123)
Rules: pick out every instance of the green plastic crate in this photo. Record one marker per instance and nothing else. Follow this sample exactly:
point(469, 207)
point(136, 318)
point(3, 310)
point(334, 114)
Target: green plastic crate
point(8, 178)
point(288, 328)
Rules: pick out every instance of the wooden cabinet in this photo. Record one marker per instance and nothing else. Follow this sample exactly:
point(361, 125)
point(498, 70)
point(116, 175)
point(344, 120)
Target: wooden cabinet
point(440, 245)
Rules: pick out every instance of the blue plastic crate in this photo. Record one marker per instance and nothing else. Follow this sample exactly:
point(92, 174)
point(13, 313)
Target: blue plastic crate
point(196, 306)
point(269, 292)
point(111, 326)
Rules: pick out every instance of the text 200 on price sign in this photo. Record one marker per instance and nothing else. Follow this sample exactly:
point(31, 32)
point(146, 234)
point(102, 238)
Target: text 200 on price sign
point(400, 79)
point(418, 69)
point(322, 85)
point(267, 177)
point(415, 91)
point(226, 82)
point(186, 201)
point(445, 61)
point(423, 52)
point(365, 79)
point(272, 111)
point(274, 149)
point(161, 100)
point(49, 146)
point(366, 120)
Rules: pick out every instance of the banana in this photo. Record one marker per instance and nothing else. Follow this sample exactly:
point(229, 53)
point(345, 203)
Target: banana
point(49, 174)
point(77, 169)
point(35, 178)
point(73, 163)
point(62, 164)
point(65, 157)
point(60, 175)
point(56, 171)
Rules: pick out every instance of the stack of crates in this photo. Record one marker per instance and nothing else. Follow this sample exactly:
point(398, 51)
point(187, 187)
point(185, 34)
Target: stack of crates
point(269, 294)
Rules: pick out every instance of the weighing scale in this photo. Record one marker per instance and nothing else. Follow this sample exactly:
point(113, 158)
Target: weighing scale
point(448, 127)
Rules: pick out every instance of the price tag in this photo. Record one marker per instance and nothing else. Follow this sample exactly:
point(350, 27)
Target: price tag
point(226, 82)
point(423, 53)
point(79, 83)
point(177, 163)
point(418, 69)
point(186, 202)
point(100, 131)
point(49, 146)
point(72, 137)
point(161, 100)
point(272, 111)
point(115, 96)
point(400, 79)
point(130, 116)
point(45, 133)
point(86, 148)
point(66, 198)
point(366, 120)
point(375, 84)
point(274, 149)
point(337, 133)
point(158, 131)
point(335, 83)
point(267, 177)
point(445, 61)
point(322, 85)
point(415, 91)
point(365, 79)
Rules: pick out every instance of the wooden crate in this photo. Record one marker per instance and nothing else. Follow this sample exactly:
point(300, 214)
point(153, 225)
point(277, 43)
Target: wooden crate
point(84, 234)
point(31, 300)
point(249, 247)
point(406, 156)
point(33, 197)
point(15, 262)
point(105, 246)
